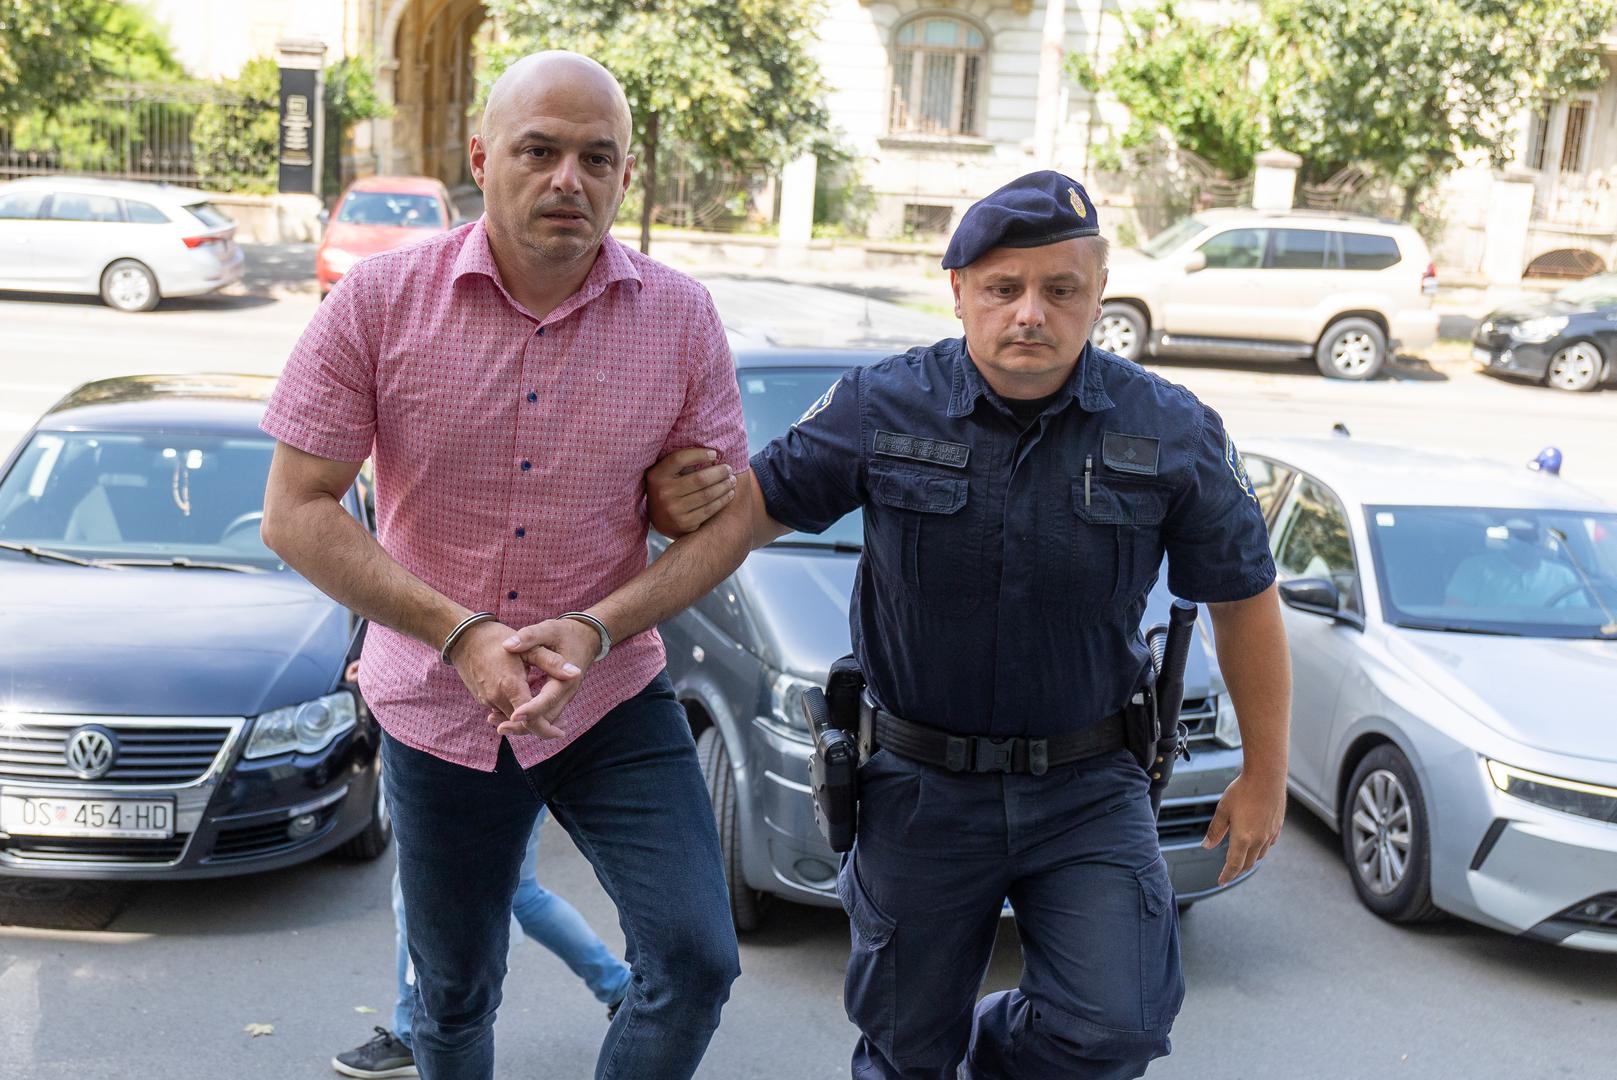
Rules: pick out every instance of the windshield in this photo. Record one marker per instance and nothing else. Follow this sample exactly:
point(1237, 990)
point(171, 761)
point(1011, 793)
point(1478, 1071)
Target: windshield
point(133, 495)
point(1171, 237)
point(771, 402)
point(1597, 291)
point(387, 208)
point(1537, 573)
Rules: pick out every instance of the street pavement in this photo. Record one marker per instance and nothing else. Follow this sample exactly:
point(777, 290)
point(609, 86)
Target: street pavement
point(1290, 978)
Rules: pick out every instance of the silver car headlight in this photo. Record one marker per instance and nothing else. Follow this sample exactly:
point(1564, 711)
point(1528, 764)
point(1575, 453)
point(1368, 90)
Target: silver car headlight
point(1226, 729)
point(1568, 796)
point(305, 728)
point(786, 702)
point(1540, 329)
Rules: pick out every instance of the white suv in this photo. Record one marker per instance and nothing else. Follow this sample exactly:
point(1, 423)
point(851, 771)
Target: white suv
point(1341, 288)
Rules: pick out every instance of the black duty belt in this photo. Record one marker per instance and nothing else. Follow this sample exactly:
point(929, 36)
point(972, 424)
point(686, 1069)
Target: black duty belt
point(982, 753)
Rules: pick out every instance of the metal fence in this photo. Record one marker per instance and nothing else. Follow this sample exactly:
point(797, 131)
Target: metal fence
point(174, 133)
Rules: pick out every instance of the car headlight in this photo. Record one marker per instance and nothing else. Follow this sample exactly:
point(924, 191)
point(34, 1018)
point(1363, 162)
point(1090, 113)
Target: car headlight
point(340, 261)
point(786, 702)
point(305, 728)
point(1540, 329)
point(1226, 729)
point(1567, 796)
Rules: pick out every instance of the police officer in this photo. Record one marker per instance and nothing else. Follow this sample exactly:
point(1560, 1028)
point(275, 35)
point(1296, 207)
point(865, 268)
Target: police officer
point(1020, 489)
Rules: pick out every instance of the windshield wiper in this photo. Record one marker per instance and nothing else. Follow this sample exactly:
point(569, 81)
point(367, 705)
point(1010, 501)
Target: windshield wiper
point(846, 546)
point(47, 553)
point(180, 562)
point(1455, 628)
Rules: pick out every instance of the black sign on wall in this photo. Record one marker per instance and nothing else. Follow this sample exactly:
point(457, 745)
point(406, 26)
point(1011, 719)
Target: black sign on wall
point(299, 147)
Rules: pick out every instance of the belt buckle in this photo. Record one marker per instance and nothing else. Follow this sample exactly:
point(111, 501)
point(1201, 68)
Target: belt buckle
point(993, 755)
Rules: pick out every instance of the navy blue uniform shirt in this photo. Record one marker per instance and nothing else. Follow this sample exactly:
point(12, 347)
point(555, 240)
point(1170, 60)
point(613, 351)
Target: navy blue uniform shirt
point(1006, 568)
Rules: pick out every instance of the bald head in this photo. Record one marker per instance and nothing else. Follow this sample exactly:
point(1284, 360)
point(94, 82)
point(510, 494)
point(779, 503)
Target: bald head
point(554, 80)
point(552, 158)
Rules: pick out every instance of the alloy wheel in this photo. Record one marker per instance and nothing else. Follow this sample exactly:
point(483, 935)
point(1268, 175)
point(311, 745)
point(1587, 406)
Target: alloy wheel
point(1115, 335)
point(1574, 367)
point(1382, 834)
point(129, 288)
point(1353, 353)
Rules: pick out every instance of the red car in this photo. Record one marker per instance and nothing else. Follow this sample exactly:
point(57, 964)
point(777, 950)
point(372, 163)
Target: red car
point(378, 213)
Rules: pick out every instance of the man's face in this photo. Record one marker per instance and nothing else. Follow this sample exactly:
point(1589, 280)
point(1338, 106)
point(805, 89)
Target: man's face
point(553, 164)
point(1028, 311)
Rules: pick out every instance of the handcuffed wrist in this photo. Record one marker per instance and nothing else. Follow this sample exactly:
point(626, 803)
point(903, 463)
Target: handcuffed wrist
point(459, 631)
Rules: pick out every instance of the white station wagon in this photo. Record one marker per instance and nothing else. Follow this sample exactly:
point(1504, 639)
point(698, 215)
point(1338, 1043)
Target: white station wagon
point(131, 243)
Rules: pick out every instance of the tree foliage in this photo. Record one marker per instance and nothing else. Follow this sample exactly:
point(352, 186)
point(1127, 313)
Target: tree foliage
point(48, 54)
point(1189, 80)
point(730, 82)
point(237, 136)
point(1405, 88)
point(350, 96)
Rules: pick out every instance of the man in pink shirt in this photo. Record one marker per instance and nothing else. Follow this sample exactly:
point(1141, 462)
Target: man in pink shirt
point(513, 380)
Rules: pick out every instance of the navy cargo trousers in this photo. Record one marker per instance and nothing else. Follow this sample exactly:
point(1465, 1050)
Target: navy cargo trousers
point(1076, 853)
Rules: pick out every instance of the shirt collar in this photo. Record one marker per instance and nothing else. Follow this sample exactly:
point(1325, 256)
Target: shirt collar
point(1084, 383)
point(612, 264)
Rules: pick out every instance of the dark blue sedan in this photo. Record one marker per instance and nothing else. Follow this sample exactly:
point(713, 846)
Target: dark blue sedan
point(174, 701)
point(1568, 342)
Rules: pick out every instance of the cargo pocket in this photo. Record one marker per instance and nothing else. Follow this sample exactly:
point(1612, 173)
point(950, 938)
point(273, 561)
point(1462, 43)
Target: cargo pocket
point(1162, 983)
point(927, 535)
point(1117, 537)
point(869, 990)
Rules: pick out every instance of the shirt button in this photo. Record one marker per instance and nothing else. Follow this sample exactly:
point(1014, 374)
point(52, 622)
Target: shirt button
point(521, 532)
point(532, 396)
point(512, 595)
point(526, 465)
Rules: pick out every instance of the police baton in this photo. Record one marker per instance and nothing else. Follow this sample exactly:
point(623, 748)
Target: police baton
point(1170, 647)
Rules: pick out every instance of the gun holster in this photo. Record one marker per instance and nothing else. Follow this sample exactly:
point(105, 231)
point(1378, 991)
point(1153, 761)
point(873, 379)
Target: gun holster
point(834, 767)
point(1142, 727)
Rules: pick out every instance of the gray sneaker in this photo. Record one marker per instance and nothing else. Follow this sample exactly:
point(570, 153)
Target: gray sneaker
point(384, 1056)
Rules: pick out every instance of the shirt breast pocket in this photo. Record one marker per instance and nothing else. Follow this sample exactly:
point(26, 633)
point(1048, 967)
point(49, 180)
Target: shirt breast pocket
point(1117, 537)
point(924, 535)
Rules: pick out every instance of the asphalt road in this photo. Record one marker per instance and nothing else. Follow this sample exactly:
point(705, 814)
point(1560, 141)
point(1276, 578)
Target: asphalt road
point(1290, 979)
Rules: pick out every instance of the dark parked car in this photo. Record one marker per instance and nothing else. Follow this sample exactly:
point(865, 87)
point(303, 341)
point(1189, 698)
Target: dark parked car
point(741, 654)
point(1568, 341)
point(173, 699)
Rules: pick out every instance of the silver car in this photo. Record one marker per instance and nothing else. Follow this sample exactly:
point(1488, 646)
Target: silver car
point(1454, 652)
point(741, 653)
point(130, 243)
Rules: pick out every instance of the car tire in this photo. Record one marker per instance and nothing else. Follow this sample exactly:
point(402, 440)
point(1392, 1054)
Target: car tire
point(1577, 367)
point(1383, 793)
point(1353, 349)
point(376, 835)
point(745, 906)
point(1120, 330)
point(128, 285)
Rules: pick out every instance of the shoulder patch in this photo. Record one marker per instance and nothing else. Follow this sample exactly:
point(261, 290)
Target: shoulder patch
point(1237, 464)
point(819, 406)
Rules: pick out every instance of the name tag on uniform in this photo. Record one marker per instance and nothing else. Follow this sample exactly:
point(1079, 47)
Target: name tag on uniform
point(916, 448)
point(1130, 453)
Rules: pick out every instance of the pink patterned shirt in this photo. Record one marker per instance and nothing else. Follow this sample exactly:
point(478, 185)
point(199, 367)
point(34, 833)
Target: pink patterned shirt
point(509, 452)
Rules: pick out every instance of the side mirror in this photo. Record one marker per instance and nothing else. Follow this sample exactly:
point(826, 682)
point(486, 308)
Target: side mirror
point(1196, 261)
point(1317, 596)
point(324, 217)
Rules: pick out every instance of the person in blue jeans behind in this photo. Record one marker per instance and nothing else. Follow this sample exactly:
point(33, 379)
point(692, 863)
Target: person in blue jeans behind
point(543, 916)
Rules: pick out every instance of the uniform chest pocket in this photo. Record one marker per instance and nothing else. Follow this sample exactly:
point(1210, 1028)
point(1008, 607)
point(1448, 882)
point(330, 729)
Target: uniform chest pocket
point(1116, 537)
point(924, 535)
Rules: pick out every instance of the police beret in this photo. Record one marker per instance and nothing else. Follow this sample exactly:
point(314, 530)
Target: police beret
point(1040, 208)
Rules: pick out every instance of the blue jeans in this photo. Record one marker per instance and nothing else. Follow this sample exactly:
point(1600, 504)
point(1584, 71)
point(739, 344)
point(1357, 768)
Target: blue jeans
point(1076, 852)
point(544, 917)
point(630, 794)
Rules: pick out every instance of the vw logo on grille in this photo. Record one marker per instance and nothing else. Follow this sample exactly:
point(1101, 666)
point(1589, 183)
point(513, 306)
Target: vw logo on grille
point(90, 752)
